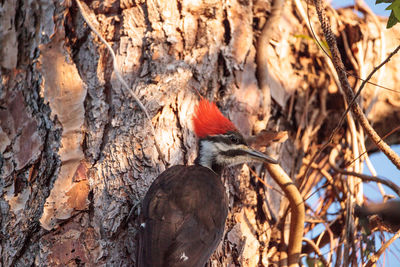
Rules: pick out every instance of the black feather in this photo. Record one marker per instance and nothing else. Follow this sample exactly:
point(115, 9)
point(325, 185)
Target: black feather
point(184, 213)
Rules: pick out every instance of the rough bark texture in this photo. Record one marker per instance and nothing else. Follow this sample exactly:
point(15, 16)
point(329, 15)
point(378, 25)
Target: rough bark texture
point(76, 153)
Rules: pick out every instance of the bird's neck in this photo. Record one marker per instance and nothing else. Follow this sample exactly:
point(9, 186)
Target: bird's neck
point(206, 157)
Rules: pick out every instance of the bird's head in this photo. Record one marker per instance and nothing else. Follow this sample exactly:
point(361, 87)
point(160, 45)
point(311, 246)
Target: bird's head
point(220, 143)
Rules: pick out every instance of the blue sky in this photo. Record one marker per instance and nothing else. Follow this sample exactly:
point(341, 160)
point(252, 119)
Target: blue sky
point(383, 166)
point(384, 169)
point(378, 9)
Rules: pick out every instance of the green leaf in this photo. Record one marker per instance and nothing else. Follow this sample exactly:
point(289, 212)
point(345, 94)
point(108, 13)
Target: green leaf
point(303, 36)
point(383, 1)
point(391, 21)
point(324, 44)
point(395, 7)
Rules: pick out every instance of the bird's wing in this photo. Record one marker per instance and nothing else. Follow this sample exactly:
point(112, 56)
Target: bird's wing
point(184, 214)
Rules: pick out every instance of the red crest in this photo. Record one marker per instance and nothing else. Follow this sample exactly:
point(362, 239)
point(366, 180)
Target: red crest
point(208, 120)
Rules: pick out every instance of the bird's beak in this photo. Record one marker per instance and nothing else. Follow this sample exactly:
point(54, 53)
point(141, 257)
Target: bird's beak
point(258, 156)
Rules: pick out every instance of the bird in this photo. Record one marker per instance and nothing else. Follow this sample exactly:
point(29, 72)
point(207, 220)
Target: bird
point(184, 211)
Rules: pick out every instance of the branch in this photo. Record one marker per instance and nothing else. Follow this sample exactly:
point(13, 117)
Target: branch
point(298, 211)
point(364, 177)
point(360, 89)
point(262, 54)
point(337, 62)
point(339, 125)
point(374, 258)
point(316, 250)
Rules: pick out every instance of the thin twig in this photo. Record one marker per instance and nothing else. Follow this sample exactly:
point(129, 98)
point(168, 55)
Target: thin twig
point(369, 163)
point(337, 62)
point(326, 174)
point(320, 240)
point(86, 14)
point(364, 177)
point(363, 7)
point(339, 125)
point(321, 235)
point(383, 138)
point(264, 183)
point(316, 250)
point(374, 258)
point(346, 44)
point(326, 56)
point(317, 40)
point(356, 184)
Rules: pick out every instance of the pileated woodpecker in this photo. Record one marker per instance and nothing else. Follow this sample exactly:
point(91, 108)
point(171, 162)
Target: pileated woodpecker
point(185, 209)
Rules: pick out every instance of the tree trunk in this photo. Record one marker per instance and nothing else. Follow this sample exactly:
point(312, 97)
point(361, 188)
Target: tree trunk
point(76, 151)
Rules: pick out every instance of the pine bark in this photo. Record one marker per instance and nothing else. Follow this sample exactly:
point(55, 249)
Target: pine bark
point(76, 151)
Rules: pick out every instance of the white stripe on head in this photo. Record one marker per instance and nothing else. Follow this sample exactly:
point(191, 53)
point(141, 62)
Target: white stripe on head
point(210, 152)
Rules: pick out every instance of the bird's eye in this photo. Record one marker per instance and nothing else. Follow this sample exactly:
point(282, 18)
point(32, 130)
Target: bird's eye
point(234, 139)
